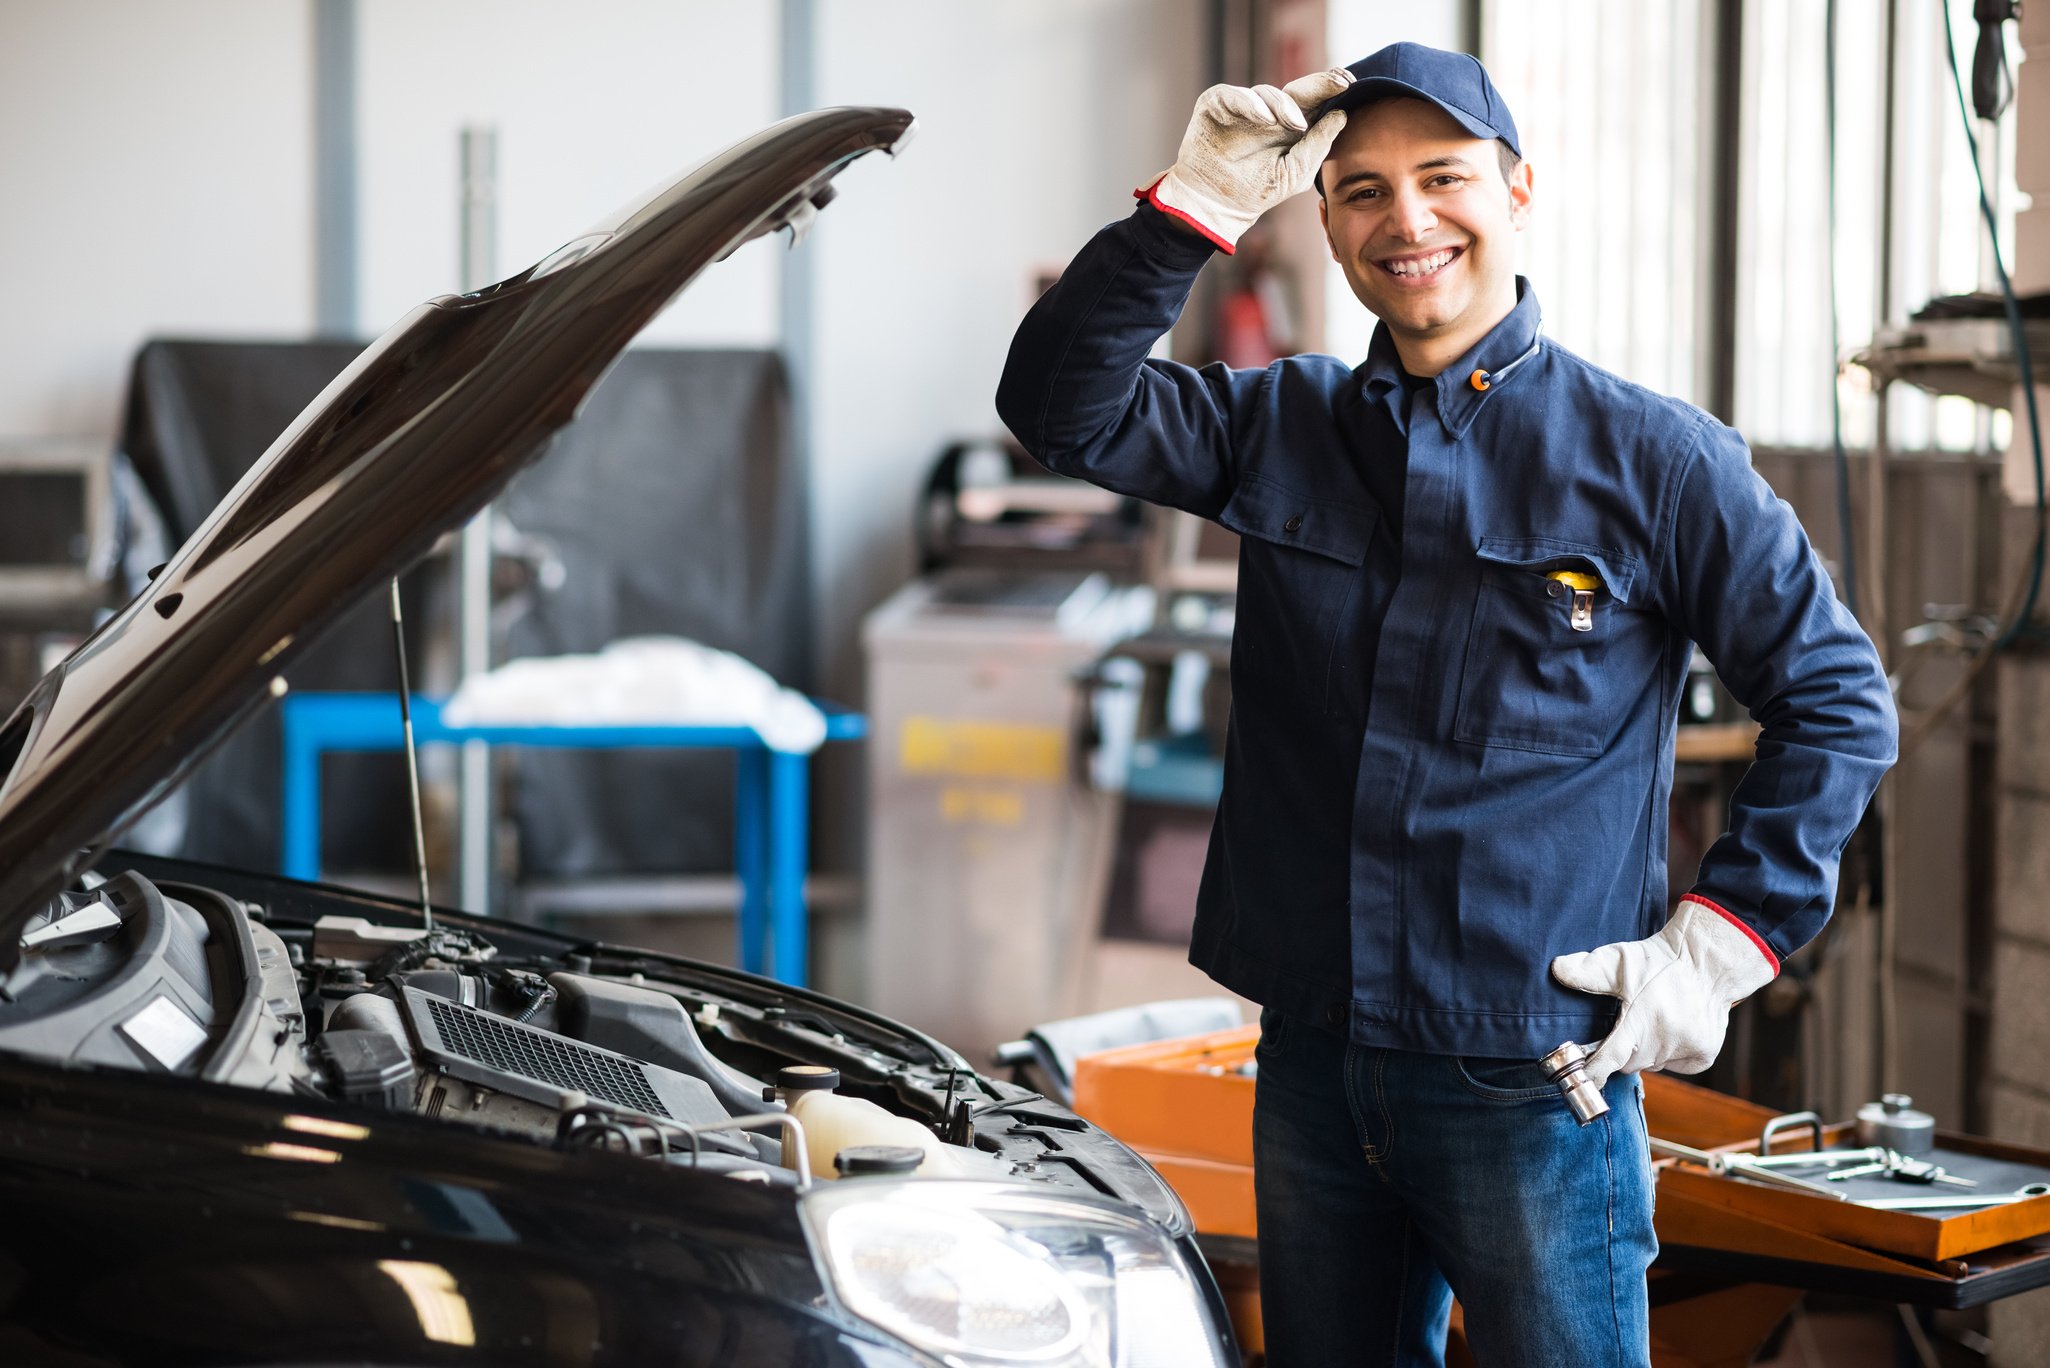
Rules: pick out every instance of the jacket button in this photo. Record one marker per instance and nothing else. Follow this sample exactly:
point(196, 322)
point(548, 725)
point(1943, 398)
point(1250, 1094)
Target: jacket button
point(1552, 588)
point(1294, 524)
point(1334, 1015)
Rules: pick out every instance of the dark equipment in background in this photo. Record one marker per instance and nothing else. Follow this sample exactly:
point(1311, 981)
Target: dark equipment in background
point(667, 433)
point(56, 564)
point(1992, 82)
point(198, 415)
point(987, 503)
point(1178, 674)
point(986, 842)
point(1044, 1057)
point(606, 506)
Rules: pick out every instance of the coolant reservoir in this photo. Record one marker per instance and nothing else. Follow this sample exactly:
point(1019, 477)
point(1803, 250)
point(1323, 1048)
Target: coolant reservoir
point(833, 1123)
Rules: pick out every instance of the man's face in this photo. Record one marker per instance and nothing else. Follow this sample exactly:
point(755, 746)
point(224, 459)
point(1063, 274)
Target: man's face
point(1422, 222)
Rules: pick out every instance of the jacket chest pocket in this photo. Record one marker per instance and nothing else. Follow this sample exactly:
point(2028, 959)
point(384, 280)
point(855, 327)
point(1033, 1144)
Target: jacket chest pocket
point(1300, 562)
point(1555, 655)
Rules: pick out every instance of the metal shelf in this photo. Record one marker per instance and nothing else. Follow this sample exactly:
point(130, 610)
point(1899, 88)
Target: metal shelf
point(1973, 357)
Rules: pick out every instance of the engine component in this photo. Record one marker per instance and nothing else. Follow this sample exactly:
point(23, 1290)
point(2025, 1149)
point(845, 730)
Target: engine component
point(872, 1161)
point(357, 940)
point(543, 1067)
point(648, 1025)
point(140, 996)
point(444, 1097)
point(833, 1123)
point(89, 925)
point(369, 1012)
point(800, 1078)
point(729, 1145)
point(368, 1067)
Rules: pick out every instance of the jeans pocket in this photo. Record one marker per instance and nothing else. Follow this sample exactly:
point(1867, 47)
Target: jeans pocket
point(1504, 1080)
point(1273, 1034)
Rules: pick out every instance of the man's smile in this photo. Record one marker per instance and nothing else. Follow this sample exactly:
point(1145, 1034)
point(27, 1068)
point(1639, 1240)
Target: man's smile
point(1420, 267)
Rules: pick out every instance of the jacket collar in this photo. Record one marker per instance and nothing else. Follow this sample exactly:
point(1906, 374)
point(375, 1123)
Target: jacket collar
point(1496, 359)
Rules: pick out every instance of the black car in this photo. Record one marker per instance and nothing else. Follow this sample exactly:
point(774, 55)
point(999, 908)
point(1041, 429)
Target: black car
point(246, 1120)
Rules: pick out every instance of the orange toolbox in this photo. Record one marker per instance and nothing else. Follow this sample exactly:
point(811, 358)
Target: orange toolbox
point(1734, 1255)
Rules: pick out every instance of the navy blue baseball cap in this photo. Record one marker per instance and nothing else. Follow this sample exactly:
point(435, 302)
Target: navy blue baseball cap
point(1453, 81)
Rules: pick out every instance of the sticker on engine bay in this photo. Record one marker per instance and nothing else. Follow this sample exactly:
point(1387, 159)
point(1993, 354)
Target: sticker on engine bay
point(164, 1033)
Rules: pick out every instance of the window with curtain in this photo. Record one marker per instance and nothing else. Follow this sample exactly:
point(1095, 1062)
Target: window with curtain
point(1615, 102)
point(1611, 102)
point(1784, 360)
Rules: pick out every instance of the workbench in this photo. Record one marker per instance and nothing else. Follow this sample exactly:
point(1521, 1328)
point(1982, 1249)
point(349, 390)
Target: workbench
point(771, 800)
point(1733, 1258)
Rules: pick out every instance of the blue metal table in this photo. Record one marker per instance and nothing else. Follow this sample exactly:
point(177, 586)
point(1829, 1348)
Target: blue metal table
point(771, 801)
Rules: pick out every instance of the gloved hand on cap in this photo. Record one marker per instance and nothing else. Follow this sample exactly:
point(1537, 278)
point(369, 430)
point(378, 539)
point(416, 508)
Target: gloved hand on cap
point(1246, 151)
point(1677, 989)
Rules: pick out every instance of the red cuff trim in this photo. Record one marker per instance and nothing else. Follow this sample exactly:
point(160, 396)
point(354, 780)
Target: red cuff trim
point(1151, 194)
point(1734, 920)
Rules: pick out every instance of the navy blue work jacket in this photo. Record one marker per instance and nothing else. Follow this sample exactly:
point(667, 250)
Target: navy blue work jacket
point(1434, 782)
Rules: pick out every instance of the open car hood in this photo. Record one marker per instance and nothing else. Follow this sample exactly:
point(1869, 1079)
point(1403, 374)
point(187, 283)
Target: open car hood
point(413, 439)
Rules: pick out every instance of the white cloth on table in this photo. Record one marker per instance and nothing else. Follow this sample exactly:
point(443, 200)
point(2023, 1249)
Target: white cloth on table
point(640, 681)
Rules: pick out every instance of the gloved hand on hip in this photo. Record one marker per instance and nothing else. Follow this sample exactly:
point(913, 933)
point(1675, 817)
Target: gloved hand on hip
point(1246, 151)
point(1677, 989)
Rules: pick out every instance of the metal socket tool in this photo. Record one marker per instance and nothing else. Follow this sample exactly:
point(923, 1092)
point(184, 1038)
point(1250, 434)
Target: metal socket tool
point(1961, 1203)
point(1750, 1167)
point(1566, 1069)
point(1892, 1121)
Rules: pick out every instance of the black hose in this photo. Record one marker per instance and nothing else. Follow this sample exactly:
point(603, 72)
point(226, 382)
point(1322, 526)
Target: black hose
point(2019, 334)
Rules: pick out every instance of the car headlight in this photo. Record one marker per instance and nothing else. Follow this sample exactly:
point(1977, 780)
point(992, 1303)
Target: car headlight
point(981, 1273)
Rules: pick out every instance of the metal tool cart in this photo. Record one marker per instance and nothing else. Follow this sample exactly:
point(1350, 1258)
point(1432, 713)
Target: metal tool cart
point(1748, 1217)
point(985, 847)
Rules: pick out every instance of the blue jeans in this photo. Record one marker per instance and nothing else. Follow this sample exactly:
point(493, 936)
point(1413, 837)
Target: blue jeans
point(1388, 1182)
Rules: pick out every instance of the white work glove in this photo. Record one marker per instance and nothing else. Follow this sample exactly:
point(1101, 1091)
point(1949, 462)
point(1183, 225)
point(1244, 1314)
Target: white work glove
point(1246, 151)
point(1677, 989)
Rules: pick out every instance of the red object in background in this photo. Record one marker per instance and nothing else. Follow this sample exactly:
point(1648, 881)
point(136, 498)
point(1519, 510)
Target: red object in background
point(1253, 321)
point(1242, 335)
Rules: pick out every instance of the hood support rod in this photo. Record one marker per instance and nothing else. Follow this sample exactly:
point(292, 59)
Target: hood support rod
point(398, 632)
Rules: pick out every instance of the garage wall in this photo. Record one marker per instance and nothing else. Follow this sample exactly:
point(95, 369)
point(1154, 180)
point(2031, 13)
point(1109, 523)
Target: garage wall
point(168, 157)
point(926, 265)
point(593, 103)
point(159, 165)
point(2019, 1090)
point(1355, 29)
point(158, 173)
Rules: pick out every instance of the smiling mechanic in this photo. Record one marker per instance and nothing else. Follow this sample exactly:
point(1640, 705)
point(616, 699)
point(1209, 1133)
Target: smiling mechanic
point(1470, 571)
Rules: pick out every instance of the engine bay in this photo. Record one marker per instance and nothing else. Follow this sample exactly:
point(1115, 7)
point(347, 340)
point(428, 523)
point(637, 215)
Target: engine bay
point(520, 1033)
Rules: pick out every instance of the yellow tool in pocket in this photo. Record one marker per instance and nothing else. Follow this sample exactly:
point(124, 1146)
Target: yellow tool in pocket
point(1583, 586)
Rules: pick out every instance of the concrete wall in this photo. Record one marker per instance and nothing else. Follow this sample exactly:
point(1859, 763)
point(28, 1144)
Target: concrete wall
point(159, 165)
point(1035, 123)
point(160, 169)
point(1355, 29)
point(2020, 1086)
point(592, 104)
point(157, 161)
